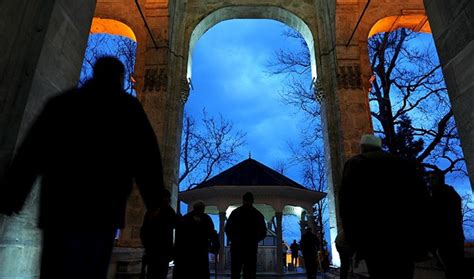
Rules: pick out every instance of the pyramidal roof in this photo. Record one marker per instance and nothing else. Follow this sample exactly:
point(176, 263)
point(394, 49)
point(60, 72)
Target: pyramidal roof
point(249, 173)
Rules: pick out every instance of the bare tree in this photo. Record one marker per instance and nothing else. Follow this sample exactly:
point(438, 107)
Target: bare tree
point(410, 103)
point(207, 148)
point(120, 47)
point(281, 166)
point(467, 210)
point(296, 66)
point(308, 154)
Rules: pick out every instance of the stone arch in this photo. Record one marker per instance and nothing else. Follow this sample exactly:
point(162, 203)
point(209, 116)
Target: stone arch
point(389, 20)
point(112, 27)
point(187, 23)
point(195, 19)
point(415, 22)
point(116, 15)
point(252, 12)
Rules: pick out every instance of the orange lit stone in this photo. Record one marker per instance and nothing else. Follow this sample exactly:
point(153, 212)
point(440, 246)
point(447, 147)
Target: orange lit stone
point(113, 27)
point(415, 22)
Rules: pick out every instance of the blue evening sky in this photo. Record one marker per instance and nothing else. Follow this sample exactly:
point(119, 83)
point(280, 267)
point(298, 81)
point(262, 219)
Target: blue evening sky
point(230, 77)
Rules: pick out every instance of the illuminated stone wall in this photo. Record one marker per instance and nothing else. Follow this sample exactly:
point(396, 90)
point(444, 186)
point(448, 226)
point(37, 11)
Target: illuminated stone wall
point(43, 42)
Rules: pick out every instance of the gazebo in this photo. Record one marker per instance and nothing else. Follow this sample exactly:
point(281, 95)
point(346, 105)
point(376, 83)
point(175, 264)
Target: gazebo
point(275, 195)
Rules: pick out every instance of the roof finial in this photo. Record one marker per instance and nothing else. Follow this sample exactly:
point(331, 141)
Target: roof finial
point(250, 155)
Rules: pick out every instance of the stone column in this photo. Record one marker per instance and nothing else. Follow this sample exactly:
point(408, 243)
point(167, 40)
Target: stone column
point(41, 54)
point(452, 25)
point(279, 251)
point(152, 93)
point(221, 264)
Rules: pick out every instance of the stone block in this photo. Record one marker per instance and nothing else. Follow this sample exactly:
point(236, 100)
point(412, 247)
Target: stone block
point(456, 38)
point(462, 72)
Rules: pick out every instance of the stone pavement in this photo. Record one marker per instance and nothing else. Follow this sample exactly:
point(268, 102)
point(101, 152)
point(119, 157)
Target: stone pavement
point(292, 276)
point(300, 274)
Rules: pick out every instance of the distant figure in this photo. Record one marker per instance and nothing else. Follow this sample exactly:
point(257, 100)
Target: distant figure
point(383, 201)
point(310, 245)
point(346, 254)
point(157, 237)
point(214, 247)
point(245, 228)
point(284, 253)
point(194, 232)
point(448, 231)
point(88, 145)
point(294, 247)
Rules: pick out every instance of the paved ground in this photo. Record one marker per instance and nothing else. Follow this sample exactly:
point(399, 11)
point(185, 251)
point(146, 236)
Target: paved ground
point(301, 276)
point(290, 275)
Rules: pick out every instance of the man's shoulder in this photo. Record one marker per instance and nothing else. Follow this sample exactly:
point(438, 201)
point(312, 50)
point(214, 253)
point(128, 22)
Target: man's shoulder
point(235, 212)
point(252, 210)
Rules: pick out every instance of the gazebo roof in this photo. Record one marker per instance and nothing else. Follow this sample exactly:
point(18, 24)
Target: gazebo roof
point(272, 190)
point(249, 173)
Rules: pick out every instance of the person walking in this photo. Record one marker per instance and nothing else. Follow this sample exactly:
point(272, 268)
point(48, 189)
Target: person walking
point(310, 245)
point(88, 145)
point(194, 235)
point(346, 254)
point(295, 248)
point(447, 226)
point(156, 235)
point(383, 204)
point(245, 228)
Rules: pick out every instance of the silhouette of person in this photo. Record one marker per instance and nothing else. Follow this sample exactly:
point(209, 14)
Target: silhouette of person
point(345, 254)
point(284, 253)
point(309, 248)
point(157, 238)
point(448, 231)
point(194, 232)
point(383, 201)
point(245, 228)
point(88, 145)
point(294, 247)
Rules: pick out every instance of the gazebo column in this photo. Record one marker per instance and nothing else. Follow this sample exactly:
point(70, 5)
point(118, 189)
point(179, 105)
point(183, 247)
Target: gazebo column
point(221, 264)
point(279, 252)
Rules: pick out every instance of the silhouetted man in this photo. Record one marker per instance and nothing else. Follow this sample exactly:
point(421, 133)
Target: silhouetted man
point(309, 248)
point(382, 204)
point(294, 247)
point(448, 231)
point(194, 233)
point(245, 228)
point(346, 254)
point(157, 238)
point(88, 146)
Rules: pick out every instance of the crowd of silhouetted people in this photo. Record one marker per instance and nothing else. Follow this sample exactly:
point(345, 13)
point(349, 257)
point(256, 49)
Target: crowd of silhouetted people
point(89, 146)
point(394, 214)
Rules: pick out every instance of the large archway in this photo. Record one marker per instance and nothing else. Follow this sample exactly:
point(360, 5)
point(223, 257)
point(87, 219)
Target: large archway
point(245, 12)
point(301, 17)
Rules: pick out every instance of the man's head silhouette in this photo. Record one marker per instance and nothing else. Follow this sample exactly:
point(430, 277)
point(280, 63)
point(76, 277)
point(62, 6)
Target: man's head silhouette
point(109, 71)
point(248, 198)
point(199, 206)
